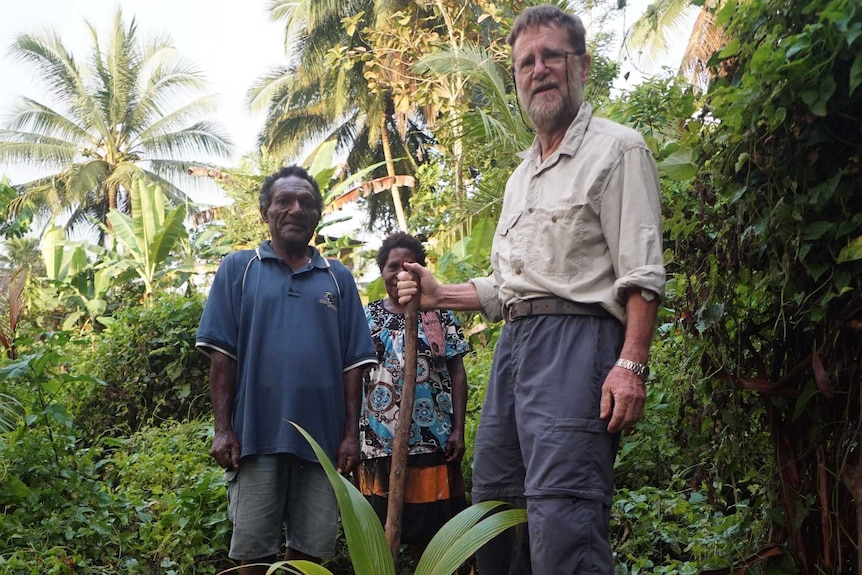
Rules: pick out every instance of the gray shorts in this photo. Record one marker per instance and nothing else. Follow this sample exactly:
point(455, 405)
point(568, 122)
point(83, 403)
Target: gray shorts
point(271, 492)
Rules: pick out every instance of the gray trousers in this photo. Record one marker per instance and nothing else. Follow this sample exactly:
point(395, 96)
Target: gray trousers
point(540, 441)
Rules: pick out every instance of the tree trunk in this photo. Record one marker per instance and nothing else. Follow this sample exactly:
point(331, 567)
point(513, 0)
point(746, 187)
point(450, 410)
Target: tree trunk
point(852, 477)
point(390, 170)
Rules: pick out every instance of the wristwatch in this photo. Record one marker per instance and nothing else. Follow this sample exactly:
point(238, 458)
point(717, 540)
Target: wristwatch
point(639, 369)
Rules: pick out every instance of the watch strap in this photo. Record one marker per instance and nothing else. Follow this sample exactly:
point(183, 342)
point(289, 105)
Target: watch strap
point(639, 369)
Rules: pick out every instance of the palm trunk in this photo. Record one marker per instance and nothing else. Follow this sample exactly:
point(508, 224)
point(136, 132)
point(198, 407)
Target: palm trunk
point(390, 171)
point(108, 237)
point(706, 38)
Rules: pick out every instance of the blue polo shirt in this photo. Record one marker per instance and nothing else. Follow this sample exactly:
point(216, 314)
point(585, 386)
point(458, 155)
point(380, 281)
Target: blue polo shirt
point(293, 334)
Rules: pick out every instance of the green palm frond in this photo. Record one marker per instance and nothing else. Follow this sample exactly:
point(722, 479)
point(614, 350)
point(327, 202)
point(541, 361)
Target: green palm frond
point(54, 194)
point(164, 81)
point(29, 115)
point(85, 177)
point(269, 88)
point(11, 412)
point(493, 119)
point(464, 534)
point(451, 546)
point(369, 551)
point(180, 118)
point(53, 63)
point(202, 136)
point(35, 149)
point(124, 174)
point(648, 38)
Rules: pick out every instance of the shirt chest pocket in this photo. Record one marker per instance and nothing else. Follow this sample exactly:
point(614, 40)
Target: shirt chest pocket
point(506, 223)
point(503, 239)
point(556, 240)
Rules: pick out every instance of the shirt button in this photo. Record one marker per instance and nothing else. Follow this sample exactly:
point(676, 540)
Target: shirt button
point(553, 218)
point(518, 271)
point(530, 211)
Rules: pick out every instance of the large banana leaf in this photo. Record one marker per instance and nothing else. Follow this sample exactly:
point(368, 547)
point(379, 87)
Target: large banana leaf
point(149, 235)
point(465, 534)
point(52, 252)
point(369, 550)
point(169, 236)
point(148, 210)
point(63, 259)
point(462, 535)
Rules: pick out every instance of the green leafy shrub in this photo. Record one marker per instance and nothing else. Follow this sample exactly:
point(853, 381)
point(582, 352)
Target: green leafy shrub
point(175, 496)
point(770, 281)
point(150, 366)
point(695, 476)
point(679, 531)
point(149, 503)
point(477, 364)
point(58, 516)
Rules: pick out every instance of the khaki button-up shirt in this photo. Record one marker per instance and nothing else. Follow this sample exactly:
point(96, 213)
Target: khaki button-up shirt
point(584, 225)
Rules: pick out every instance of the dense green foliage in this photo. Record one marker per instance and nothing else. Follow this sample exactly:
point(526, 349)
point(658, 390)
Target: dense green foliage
point(770, 277)
point(148, 503)
point(150, 369)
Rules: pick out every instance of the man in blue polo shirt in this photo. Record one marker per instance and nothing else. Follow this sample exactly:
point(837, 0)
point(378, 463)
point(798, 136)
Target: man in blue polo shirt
point(287, 338)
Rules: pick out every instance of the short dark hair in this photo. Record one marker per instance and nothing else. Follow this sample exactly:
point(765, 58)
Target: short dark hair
point(265, 197)
point(400, 240)
point(550, 15)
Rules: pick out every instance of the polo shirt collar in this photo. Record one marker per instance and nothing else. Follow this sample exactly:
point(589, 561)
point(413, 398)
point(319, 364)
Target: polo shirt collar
point(571, 141)
point(265, 251)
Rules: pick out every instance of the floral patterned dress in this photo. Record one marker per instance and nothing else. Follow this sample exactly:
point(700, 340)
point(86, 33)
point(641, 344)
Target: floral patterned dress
point(434, 490)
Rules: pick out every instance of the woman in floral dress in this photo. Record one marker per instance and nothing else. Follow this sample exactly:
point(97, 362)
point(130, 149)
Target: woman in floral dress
point(434, 488)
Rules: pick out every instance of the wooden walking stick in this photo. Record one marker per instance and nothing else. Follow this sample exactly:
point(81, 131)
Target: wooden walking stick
point(400, 444)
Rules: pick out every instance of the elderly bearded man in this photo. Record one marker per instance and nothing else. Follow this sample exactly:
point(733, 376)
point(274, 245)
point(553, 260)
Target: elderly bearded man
point(578, 271)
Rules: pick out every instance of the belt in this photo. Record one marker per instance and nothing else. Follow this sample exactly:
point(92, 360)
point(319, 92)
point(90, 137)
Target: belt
point(552, 306)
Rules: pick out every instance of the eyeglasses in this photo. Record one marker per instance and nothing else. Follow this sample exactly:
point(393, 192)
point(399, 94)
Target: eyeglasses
point(550, 58)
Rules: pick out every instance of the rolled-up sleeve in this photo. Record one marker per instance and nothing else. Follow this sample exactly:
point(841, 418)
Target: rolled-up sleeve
point(631, 223)
point(488, 289)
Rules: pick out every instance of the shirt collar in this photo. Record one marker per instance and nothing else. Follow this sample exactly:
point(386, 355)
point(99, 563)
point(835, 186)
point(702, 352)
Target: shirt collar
point(265, 251)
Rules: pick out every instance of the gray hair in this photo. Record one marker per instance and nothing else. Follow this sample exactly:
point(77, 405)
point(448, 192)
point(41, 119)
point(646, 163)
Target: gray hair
point(545, 15)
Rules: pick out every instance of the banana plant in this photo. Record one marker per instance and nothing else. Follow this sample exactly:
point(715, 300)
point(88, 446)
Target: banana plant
point(149, 236)
point(73, 279)
point(460, 538)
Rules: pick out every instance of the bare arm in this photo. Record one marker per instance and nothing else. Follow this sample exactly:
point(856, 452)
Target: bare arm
point(457, 297)
point(623, 393)
point(348, 450)
point(455, 444)
point(225, 447)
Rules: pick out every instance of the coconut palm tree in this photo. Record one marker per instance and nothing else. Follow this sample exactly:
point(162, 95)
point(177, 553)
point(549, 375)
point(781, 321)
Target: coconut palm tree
point(135, 108)
point(648, 36)
point(339, 86)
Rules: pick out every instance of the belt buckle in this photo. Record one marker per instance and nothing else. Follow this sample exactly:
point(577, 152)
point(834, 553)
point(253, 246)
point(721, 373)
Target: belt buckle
point(513, 312)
